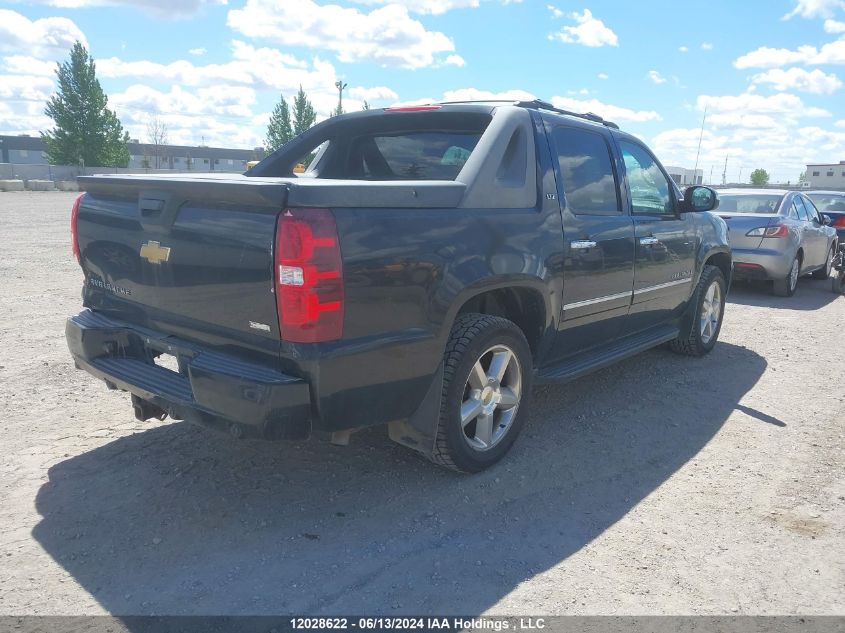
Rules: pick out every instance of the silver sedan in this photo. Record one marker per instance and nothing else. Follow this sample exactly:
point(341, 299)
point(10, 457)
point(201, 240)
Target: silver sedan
point(777, 235)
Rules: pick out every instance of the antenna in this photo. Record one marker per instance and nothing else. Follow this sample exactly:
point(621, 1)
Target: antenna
point(700, 135)
point(725, 172)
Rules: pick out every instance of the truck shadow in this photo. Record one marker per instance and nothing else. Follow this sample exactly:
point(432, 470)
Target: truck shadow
point(811, 294)
point(175, 520)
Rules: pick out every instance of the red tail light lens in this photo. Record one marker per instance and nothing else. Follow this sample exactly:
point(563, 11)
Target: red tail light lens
point(74, 221)
point(839, 222)
point(778, 230)
point(309, 276)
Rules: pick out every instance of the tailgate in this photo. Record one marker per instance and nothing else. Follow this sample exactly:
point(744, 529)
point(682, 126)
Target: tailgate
point(740, 223)
point(185, 255)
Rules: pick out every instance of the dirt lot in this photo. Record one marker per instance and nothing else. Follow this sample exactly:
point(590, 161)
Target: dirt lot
point(664, 485)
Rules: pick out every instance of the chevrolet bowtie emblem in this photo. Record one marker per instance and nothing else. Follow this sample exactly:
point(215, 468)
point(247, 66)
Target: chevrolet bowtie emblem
point(154, 252)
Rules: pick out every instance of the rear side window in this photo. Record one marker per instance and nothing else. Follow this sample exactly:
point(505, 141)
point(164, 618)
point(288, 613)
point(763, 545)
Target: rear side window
point(586, 171)
point(799, 208)
point(812, 212)
point(424, 155)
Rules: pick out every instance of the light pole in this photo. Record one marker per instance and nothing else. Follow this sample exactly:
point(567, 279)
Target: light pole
point(340, 88)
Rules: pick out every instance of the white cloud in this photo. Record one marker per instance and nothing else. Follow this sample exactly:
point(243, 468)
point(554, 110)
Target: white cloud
point(22, 100)
point(602, 76)
point(474, 94)
point(23, 65)
point(656, 77)
point(786, 105)
point(590, 31)
point(454, 60)
point(556, 13)
point(815, 82)
point(46, 38)
point(387, 36)
point(261, 68)
point(376, 93)
point(752, 130)
point(706, 46)
point(161, 8)
point(815, 8)
point(198, 51)
point(683, 49)
point(832, 26)
point(608, 111)
point(765, 57)
point(433, 7)
point(840, 123)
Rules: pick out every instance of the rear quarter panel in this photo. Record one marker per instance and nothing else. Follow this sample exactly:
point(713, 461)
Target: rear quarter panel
point(407, 273)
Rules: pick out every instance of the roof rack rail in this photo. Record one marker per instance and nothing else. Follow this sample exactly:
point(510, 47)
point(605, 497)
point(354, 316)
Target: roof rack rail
point(539, 104)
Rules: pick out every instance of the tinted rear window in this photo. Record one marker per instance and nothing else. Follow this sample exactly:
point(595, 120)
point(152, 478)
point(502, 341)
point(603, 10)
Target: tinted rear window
point(749, 203)
point(413, 155)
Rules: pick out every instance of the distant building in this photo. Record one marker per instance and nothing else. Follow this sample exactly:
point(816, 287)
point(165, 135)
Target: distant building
point(826, 176)
point(30, 150)
point(687, 177)
point(22, 150)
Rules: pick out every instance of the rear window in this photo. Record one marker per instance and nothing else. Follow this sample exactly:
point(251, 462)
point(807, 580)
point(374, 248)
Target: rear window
point(412, 155)
point(828, 202)
point(749, 203)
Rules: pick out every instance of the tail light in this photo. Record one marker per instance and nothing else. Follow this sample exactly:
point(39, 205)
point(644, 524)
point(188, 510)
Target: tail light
point(309, 276)
point(839, 222)
point(778, 230)
point(74, 221)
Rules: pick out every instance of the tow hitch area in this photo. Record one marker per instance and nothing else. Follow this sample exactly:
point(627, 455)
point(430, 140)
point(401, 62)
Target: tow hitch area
point(147, 410)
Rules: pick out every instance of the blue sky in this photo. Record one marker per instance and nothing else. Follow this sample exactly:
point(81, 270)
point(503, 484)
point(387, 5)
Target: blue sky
point(768, 72)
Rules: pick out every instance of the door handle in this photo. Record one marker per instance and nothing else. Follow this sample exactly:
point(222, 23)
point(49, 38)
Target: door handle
point(582, 244)
point(649, 241)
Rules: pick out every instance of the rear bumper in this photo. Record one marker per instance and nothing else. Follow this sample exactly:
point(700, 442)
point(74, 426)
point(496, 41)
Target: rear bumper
point(210, 388)
point(761, 263)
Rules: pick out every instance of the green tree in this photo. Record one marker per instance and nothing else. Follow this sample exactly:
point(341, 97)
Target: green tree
point(759, 177)
point(85, 129)
point(303, 113)
point(802, 177)
point(279, 130)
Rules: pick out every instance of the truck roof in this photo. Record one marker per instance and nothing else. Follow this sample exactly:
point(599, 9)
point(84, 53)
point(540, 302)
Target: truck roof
point(487, 105)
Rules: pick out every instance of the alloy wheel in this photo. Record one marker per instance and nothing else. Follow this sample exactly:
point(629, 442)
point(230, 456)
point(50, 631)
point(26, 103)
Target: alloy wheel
point(711, 312)
point(492, 394)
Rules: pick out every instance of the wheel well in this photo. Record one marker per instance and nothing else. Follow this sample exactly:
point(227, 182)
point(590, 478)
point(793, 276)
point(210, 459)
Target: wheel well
point(722, 261)
point(523, 306)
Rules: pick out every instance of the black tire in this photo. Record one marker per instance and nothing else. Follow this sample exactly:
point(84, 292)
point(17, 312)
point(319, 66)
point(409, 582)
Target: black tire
point(824, 271)
point(786, 287)
point(837, 283)
point(694, 342)
point(472, 338)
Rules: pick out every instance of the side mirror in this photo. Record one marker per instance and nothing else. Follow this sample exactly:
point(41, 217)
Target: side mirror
point(699, 199)
point(826, 219)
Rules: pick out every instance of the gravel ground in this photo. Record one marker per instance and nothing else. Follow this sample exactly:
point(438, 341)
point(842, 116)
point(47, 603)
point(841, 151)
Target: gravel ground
point(663, 485)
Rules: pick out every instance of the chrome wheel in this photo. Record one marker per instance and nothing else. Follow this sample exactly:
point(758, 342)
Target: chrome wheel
point(793, 274)
point(711, 312)
point(491, 397)
point(828, 265)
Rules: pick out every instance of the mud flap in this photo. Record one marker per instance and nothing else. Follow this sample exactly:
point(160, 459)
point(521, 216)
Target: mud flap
point(420, 430)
